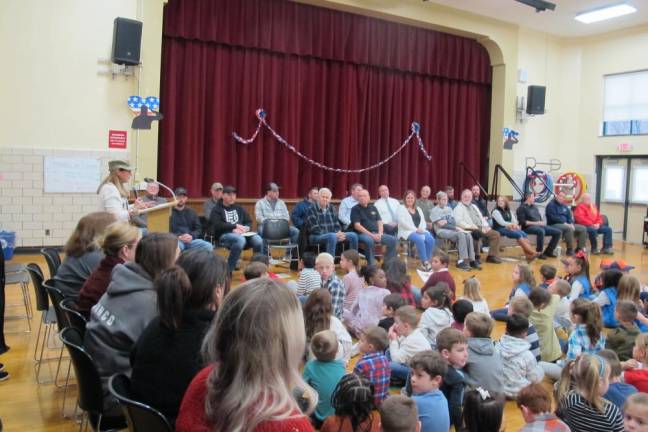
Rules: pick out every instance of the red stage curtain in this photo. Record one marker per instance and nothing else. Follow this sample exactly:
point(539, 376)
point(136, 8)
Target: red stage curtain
point(340, 87)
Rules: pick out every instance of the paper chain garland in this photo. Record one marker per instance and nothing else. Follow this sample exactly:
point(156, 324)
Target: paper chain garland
point(261, 114)
point(135, 103)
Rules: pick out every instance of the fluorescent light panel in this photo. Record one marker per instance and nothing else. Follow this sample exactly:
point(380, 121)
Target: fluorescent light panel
point(605, 13)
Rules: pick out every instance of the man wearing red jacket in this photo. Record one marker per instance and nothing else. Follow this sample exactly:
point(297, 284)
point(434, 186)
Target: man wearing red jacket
point(588, 215)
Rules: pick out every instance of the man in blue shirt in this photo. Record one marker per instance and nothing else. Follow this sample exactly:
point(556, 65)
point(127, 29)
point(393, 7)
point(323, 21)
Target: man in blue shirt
point(347, 204)
point(298, 215)
point(560, 216)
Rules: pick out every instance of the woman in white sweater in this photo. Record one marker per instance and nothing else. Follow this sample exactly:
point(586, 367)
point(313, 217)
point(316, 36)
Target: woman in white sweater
point(412, 227)
point(113, 197)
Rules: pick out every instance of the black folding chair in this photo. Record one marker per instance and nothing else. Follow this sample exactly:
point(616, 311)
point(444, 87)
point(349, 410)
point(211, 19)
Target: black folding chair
point(53, 260)
point(139, 416)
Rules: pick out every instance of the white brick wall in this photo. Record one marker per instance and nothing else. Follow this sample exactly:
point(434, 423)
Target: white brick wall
point(27, 210)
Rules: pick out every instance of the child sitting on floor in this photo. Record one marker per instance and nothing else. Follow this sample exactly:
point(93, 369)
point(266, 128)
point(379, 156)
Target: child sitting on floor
point(523, 283)
point(367, 308)
point(635, 413)
point(349, 262)
point(354, 407)
point(460, 309)
point(634, 369)
point(255, 270)
point(427, 370)
point(523, 306)
point(534, 401)
point(399, 414)
point(390, 304)
point(309, 279)
point(439, 263)
point(621, 340)
point(579, 275)
point(453, 347)
point(472, 293)
point(323, 373)
point(405, 341)
point(520, 366)
point(484, 367)
point(548, 275)
point(374, 365)
point(437, 315)
point(618, 391)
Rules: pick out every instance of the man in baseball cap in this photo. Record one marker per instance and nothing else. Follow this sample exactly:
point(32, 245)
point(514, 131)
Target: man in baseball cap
point(185, 224)
point(216, 193)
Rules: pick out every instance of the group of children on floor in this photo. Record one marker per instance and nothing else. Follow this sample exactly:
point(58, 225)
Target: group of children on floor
point(447, 362)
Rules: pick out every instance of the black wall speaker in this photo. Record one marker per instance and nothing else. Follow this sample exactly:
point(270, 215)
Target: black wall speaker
point(127, 41)
point(536, 99)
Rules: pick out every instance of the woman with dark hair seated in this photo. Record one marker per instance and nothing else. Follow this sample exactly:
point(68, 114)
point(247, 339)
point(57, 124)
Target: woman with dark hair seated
point(167, 355)
point(128, 306)
point(505, 222)
point(82, 253)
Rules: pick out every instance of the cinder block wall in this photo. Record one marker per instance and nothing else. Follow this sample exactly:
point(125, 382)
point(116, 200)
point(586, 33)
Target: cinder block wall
point(39, 218)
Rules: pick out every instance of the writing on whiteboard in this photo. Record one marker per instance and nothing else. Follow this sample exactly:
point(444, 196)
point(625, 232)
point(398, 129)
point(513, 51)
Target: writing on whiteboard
point(71, 175)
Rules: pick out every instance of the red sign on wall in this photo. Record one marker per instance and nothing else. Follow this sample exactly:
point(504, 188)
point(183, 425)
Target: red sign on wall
point(117, 139)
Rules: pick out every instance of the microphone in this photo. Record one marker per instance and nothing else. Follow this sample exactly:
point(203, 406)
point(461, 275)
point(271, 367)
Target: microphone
point(150, 180)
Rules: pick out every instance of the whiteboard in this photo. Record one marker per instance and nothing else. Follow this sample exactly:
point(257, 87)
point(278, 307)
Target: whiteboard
point(71, 175)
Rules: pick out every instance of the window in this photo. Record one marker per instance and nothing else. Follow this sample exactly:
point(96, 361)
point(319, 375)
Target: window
point(638, 182)
point(625, 110)
point(614, 179)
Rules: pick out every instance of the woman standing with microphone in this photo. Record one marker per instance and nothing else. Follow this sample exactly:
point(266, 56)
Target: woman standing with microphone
point(113, 196)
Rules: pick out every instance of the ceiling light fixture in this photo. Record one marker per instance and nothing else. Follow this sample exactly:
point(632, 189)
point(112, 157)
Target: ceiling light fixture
point(605, 13)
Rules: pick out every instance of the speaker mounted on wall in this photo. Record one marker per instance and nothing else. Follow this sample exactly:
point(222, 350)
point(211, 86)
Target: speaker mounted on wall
point(536, 99)
point(127, 41)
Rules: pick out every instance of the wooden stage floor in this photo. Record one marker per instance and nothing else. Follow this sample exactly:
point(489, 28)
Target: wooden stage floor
point(26, 406)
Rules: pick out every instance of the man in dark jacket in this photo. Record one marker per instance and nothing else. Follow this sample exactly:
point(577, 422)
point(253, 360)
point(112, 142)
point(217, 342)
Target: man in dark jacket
point(185, 224)
point(531, 222)
point(230, 224)
point(560, 216)
point(299, 213)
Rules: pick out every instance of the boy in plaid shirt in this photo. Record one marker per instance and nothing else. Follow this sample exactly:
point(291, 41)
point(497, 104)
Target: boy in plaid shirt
point(373, 364)
point(325, 266)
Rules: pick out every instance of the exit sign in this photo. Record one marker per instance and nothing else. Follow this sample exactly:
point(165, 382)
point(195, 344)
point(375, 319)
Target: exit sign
point(624, 147)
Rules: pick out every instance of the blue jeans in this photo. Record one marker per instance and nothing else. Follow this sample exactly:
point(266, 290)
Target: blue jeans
point(500, 314)
point(513, 234)
point(329, 241)
point(236, 243)
point(195, 244)
point(399, 370)
point(294, 236)
point(424, 245)
point(540, 231)
point(370, 245)
point(607, 236)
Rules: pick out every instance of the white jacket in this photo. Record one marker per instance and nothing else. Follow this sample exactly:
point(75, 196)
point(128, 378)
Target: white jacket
point(462, 217)
point(433, 321)
point(520, 365)
point(403, 349)
point(405, 223)
point(111, 201)
point(383, 210)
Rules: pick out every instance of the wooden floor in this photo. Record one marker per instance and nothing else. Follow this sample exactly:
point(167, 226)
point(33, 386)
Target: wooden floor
point(26, 406)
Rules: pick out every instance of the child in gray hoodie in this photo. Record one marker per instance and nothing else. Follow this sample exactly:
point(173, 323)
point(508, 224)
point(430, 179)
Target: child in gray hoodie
point(520, 365)
point(484, 367)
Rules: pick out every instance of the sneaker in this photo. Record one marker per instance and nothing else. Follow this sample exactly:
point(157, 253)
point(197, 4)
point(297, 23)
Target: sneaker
point(570, 252)
point(476, 265)
point(608, 251)
point(463, 265)
point(596, 252)
point(493, 260)
point(422, 268)
point(4, 375)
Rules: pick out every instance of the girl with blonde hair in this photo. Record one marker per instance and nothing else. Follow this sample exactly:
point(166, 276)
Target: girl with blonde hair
point(253, 349)
point(472, 293)
point(580, 396)
point(118, 244)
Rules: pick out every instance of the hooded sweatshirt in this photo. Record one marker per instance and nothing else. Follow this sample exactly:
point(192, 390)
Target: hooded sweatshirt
point(484, 367)
point(520, 365)
point(118, 320)
point(223, 219)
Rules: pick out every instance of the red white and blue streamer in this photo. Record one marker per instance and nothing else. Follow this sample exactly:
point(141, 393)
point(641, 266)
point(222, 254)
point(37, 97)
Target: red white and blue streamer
point(261, 114)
